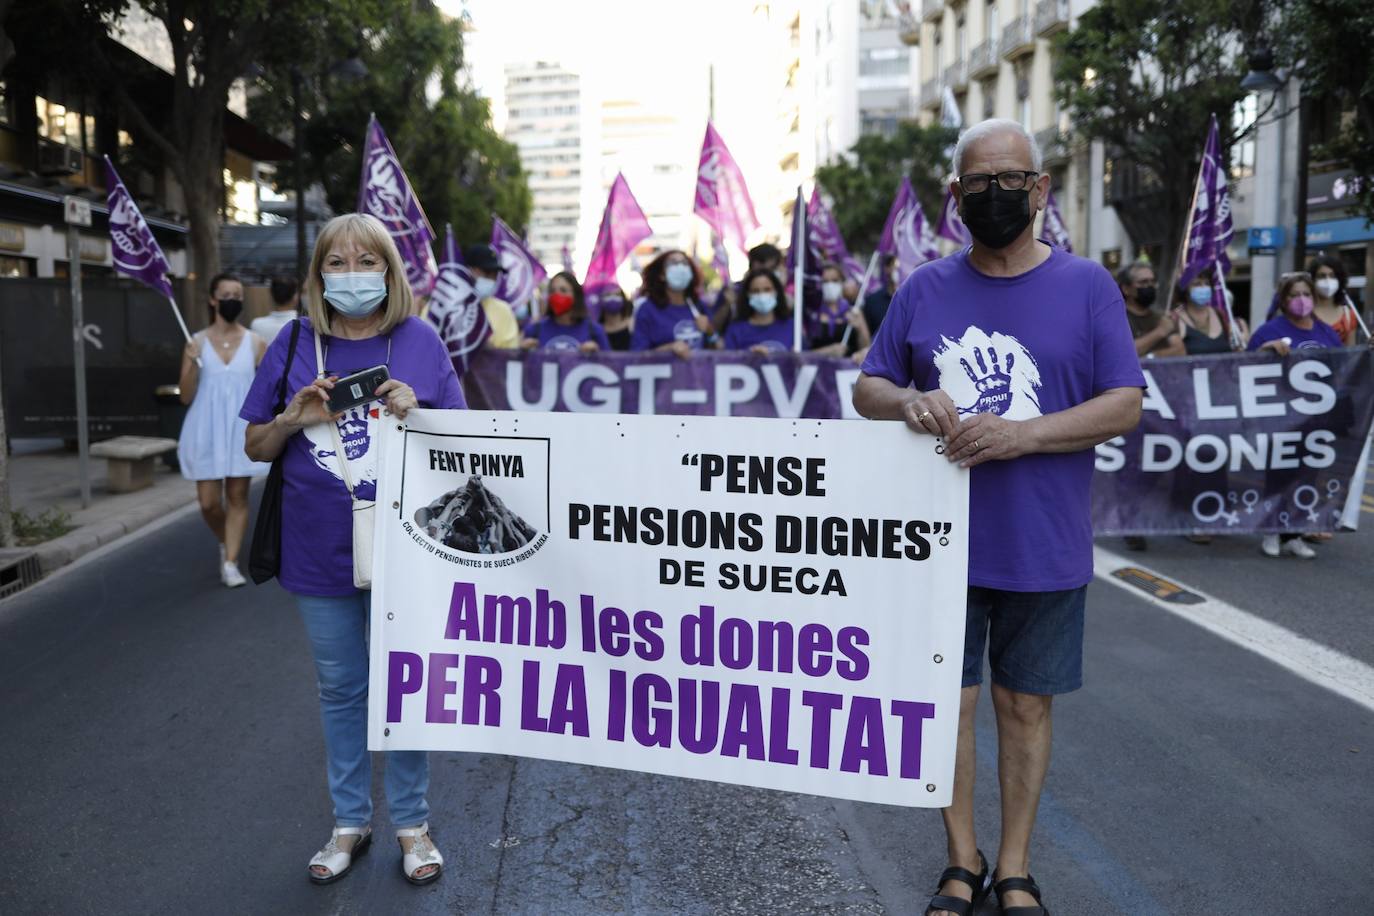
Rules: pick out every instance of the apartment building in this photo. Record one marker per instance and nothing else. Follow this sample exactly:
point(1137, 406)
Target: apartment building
point(544, 119)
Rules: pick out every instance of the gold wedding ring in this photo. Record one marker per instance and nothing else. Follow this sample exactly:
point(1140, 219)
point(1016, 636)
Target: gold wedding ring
point(977, 444)
point(922, 417)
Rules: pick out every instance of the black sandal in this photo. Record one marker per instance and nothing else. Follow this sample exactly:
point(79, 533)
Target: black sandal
point(1026, 884)
point(980, 884)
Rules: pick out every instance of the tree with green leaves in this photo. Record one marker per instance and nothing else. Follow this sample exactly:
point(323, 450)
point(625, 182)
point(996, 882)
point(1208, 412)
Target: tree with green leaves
point(462, 171)
point(864, 184)
point(1145, 77)
point(1322, 43)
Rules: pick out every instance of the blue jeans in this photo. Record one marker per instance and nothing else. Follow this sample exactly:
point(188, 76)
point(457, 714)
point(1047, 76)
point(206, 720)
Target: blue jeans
point(1034, 640)
point(337, 628)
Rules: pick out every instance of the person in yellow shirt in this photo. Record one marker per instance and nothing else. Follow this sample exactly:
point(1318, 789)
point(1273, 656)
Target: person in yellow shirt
point(485, 266)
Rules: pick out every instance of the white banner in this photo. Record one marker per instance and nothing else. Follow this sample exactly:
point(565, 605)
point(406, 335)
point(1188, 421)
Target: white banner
point(771, 603)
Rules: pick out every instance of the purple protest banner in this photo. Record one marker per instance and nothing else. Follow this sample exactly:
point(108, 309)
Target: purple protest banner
point(521, 271)
point(133, 249)
point(951, 226)
point(722, 199)
point(623, 226)
point(385, 192)
point(1239, 443)
point(454, 309)
point(827, 240)
point(1234, 444)
point(1210, 227)
point(907, 234)
point(1052, 229)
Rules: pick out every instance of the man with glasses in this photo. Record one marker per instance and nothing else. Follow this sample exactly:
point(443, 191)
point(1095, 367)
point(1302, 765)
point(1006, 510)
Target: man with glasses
point(1154, 334)
point(1019, 356)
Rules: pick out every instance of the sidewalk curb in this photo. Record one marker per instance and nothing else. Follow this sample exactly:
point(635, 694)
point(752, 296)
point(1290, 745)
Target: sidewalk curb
point(60, 552)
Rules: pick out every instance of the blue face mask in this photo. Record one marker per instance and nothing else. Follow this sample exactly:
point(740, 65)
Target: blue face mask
point(1201, 295)
point(355, 295)
point(679, 276)
point(763, 303)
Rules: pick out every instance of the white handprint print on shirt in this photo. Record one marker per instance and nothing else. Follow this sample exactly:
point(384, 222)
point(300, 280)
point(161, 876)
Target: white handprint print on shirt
point(985, 373)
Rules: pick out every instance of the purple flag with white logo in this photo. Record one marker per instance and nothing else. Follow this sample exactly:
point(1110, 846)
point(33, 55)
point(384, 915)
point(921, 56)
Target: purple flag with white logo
point(809, 296)
point(826, 238)
point(454, 309)
point(951, 226)
point(1209, 223)
point(132, 246)
point(623, 226)
point(907, 233)
point(385, 192)
point(722, 198)
point(1053, 230)
point(521, 271)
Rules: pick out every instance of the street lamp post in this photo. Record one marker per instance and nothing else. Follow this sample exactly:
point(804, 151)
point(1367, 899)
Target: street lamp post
point(298, 141)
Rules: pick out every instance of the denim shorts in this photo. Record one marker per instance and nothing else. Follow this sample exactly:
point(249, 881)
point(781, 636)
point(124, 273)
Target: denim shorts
point(1034, 639)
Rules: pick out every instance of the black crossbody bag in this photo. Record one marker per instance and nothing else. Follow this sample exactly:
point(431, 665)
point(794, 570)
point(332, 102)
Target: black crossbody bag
point(264, 553)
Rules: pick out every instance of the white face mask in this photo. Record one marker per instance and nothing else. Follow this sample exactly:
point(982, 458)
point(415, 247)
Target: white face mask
point(896, 276)
point(830, 292)
point(1327, 287)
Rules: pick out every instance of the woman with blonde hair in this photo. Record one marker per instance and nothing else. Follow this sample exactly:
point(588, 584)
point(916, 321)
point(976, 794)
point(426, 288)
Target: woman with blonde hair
point(359, 304)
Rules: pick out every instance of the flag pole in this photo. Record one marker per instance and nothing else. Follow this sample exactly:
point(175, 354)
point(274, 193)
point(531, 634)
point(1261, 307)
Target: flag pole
point(181, 322)
point(863, 291)
point(797, 273)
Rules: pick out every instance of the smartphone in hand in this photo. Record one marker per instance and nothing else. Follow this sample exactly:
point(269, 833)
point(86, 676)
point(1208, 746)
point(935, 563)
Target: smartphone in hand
point(358, 388)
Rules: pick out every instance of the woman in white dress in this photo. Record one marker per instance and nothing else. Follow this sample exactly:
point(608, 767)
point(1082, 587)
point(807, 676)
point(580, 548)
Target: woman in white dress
point(211, 447)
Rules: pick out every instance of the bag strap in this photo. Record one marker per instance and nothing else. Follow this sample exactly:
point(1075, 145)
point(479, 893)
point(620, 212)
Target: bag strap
point(286, 372)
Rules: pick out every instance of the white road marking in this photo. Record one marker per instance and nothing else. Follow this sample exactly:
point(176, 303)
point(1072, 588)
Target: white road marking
point(1309, 660)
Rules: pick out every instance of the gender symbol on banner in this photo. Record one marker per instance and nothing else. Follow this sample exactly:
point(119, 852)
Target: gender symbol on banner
point(1231, 517)
point(1310, 505)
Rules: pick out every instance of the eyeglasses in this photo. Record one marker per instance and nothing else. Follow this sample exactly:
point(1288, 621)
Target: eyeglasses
point(978, 182)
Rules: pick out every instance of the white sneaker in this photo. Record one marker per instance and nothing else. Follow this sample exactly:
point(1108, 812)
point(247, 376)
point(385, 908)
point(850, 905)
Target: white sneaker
point(1298, 548)
point(1270, 545)
point(232, 577)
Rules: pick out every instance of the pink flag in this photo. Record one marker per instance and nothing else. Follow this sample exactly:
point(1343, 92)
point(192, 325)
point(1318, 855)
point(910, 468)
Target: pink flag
point(623, 226)
point(1053, 230)
point(722, 198)
point(951, 226)
point(385, 192)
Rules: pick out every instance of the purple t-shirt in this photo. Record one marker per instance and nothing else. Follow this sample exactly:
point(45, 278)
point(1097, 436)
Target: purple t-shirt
point(777, 337)
point(1320, 336)
point(656, 325)
point(1019, 347)
point(554, 336)
point(317, 518)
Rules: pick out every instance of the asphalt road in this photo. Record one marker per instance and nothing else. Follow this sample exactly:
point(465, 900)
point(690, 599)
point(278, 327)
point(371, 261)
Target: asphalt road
point(161, 753)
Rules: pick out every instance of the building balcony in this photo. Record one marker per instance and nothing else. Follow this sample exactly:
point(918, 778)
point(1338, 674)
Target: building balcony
point(932, 10)
point(930, 93)
point(1051, 16)
point(982, 60)
point(1018, 38)
point(956, 75)
point(1054, 145)
point(909, 29)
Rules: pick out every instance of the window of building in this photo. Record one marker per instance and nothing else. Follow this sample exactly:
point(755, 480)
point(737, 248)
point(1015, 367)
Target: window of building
point(990, 17)
point(989, 98)
point(1243, 116)
point(884, 62)
point(960, 38)
point(16, 267)
point(939, 51)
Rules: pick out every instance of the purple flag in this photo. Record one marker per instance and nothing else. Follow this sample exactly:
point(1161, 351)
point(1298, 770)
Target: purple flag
point(1209, 223)
point(720, 259)
point(826, 238)
point(722, 198)
point(1053, 230)
point(136, 253)
point(454, 308)
point(521, 271)
point(385, 192)
point(809, 296)
point(907, 233)
point(623, 226)
point(567, 259)
point(951, 226)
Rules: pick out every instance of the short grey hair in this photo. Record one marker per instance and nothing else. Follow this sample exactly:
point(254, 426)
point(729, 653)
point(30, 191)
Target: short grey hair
point(995, 126)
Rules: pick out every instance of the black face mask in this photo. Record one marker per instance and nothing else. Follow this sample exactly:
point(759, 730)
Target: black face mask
point(230, 309)
point(1145, 296)
point(996, 217)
